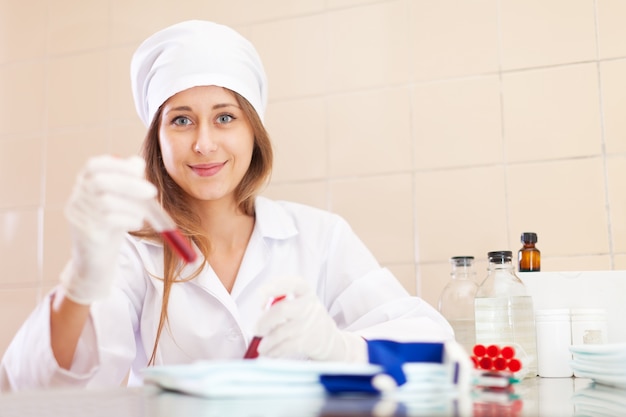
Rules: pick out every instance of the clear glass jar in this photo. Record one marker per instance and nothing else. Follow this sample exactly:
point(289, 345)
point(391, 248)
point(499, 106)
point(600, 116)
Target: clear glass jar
point(504, 311)
point(456, 302)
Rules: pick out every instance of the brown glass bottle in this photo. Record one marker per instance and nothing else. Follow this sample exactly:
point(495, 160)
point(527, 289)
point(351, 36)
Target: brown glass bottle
point(529, 257)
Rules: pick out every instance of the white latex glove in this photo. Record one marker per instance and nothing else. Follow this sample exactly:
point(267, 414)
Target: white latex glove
point(109, 199)
point(300, 326)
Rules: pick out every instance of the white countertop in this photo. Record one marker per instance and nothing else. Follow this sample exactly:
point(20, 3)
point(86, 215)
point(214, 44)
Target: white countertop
point(553, 397)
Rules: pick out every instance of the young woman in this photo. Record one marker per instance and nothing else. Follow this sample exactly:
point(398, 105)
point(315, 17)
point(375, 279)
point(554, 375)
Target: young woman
point(127, 301)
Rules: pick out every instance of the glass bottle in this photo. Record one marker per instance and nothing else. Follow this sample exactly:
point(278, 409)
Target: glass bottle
point(529, 257)
point(504, 310)
point(456, 302)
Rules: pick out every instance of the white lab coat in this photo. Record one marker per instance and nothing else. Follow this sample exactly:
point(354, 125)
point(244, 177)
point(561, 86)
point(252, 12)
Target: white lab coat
point(207, 322)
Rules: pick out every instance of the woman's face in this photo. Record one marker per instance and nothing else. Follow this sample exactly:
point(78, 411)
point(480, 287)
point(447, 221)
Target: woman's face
point(206, 142)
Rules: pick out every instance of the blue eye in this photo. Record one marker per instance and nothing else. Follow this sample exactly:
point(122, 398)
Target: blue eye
point(181, 121)
point(224, 118)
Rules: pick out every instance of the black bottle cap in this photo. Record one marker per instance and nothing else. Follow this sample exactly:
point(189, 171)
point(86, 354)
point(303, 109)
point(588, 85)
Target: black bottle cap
point(500, 256)
point(529, 237)
point(462, 260)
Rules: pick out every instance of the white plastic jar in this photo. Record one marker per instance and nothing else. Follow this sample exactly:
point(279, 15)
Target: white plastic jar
point(589, 326)
point(554, 337)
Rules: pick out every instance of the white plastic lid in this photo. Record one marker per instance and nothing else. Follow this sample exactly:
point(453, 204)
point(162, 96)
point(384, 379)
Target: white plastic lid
point(552, 314)
point(588, 313)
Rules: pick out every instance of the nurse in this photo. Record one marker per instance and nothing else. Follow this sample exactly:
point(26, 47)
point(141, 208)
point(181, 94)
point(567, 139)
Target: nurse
point(126, 301)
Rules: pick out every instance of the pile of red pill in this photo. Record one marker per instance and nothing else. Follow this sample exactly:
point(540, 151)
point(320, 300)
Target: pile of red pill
point(494, 358)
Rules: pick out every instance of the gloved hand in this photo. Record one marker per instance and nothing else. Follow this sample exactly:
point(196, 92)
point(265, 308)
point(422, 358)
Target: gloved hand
point(108, 199)
point(300, 326)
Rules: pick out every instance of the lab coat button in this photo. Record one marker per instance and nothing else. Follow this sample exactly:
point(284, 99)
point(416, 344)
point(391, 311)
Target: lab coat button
point(233, 334)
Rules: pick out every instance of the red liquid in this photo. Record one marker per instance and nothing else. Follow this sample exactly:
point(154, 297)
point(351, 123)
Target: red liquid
point(180, 244)
point(252, 352)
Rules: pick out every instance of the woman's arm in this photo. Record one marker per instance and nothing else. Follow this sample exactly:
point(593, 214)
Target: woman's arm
point(67, 320)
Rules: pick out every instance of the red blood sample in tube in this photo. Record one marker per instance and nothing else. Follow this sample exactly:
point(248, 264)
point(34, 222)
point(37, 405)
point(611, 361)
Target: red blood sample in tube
point(486, 363)
point(179, 244)
point(507, 352)
point(493, 351)
point(514, 365)
point(479, 350)
point(252, 352)
point(499, 364)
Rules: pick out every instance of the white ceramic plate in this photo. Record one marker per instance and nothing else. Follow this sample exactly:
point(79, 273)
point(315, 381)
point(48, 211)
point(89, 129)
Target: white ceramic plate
point(606, 350)
point(601, 378)
point(598, 368)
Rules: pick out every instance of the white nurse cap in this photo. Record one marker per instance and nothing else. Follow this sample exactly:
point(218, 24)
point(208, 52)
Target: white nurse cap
point(195, 53)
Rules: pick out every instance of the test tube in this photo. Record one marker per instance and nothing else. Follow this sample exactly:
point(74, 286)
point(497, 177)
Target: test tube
point(163, 223)
point(252, 352)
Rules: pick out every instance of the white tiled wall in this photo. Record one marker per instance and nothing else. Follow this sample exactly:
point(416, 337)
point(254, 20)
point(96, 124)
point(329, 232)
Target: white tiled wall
point(437, 128)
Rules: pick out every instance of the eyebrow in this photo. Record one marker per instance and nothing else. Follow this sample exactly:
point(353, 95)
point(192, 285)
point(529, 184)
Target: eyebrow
point(217, 106)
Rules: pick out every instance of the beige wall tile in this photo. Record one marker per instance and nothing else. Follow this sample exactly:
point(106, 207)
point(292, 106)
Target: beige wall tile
point(26, 21)
point(67, 153)
point(56, 245)
point(78, 90)
point(405, 273)
point(295, 64)
point(611, 29)
point(127, 28)
point(255, 11)
point(552, 113)
point(233, 12)
point(451, 38)
point(22, 90)
point(21, 172)
point(133, 21)
point(379, 209)
point(432, 278)
point(369, 133)
point(614, 104)
point(299, 139)
point(620, 262)
point(120, 96)
point(338, 4)
point(457, 123)
point(19, 247)
point(368, 46)
point(77, 25)
point(538, 33)
point(567, 210)
point(126, 138)
point(46, 289)
point(460, 212)
point(15, 307)
point(311, 193)
point(616, 170)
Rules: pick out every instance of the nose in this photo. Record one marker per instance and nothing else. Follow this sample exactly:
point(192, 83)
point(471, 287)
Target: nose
point(205, 142)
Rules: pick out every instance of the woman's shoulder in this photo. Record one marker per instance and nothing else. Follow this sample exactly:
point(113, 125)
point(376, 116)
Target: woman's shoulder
point(142, 252)
point(295, 210)
point(285, 218)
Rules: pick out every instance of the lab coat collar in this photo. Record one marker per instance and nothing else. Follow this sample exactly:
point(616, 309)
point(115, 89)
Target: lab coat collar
point(272, 223)
point(272, 220)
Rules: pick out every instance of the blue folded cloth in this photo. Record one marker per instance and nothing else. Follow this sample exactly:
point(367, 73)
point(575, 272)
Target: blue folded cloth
point(391, 356)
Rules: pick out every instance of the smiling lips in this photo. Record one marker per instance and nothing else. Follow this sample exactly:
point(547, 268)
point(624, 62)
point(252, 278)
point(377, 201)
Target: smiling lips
point(207, 170)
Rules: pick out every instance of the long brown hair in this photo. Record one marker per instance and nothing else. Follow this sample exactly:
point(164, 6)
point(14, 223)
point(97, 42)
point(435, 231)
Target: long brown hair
point(174, 201)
